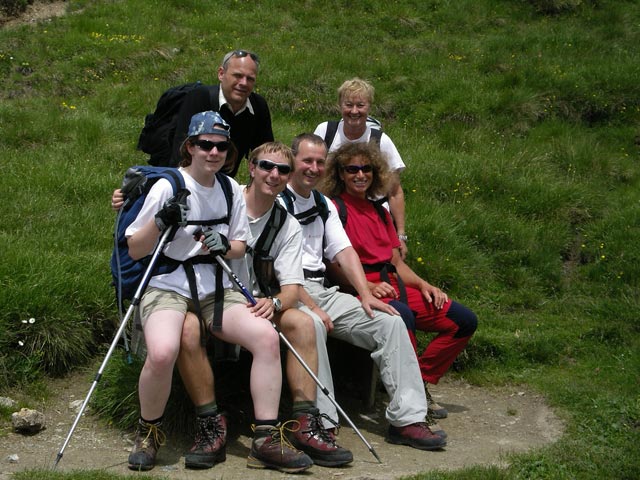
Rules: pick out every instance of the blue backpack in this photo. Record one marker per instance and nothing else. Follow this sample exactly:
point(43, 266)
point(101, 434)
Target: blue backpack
point(125, 271)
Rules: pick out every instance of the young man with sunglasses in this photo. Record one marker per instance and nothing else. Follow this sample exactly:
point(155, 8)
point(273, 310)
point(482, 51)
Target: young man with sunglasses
point(277, 296)
point(366, 322)
point(244, 110)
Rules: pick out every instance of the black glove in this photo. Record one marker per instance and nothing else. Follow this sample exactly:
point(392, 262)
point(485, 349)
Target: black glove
point(216, 242)
point(174, 212)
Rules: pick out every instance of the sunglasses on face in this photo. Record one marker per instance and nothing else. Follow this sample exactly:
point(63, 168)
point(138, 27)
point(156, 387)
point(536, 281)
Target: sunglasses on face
point(353, 169)
point(268, 165)
point(240, 54)
point(207, 145)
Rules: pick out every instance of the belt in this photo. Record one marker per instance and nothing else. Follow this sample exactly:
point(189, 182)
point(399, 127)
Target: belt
point(313, 273)
point(385, 269)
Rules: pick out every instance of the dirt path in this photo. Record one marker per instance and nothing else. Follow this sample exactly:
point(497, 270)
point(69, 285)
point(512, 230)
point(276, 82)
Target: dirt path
point(483, 426)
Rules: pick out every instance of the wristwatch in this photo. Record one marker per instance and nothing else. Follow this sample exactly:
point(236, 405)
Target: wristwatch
point(277, 304)
point(403, 238)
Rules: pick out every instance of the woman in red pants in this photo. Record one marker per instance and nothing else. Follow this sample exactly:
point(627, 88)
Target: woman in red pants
point(355, 174)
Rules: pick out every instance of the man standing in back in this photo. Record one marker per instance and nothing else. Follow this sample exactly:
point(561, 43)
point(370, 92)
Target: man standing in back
point(246, 112)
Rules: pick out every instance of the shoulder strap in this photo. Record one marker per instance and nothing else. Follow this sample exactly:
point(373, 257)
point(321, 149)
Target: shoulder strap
point(375, 136)
point(288, 199)
point(138, 181)
point(342, 210)
point(332, 128)
point(274, 224)
point(225, 183)
point(379, 206)
point(321, 205)
point(304, 218)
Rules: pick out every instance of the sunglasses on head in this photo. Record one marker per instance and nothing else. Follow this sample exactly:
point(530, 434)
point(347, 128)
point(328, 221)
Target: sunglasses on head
point(353, 169)
point(268, 165)
point(240, 54)
point(207, 145)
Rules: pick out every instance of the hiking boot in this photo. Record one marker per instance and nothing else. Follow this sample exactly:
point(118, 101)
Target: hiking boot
point(149, 438)
point(437, 411)
point(209, 447)
point(434, 427)
point(416, 435)
point(318, 442)
point(271, 449)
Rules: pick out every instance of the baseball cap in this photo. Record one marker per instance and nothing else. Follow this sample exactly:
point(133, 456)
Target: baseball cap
point(208, 122)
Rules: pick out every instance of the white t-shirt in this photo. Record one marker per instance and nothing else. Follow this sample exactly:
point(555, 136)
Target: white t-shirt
point(285, 251)
point(315, 233)
point(387, 147)
point(205, 203)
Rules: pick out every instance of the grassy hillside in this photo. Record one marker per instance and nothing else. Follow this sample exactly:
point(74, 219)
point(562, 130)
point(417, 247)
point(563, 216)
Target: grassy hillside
point(519, 122)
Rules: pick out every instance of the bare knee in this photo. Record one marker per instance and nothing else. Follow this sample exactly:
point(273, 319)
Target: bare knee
point(298, 326)
point(161, 358)
point(190, 340)
point(268, 343)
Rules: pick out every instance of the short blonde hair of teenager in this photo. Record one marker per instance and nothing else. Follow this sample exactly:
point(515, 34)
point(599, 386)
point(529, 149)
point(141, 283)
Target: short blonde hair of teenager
point(275, 147)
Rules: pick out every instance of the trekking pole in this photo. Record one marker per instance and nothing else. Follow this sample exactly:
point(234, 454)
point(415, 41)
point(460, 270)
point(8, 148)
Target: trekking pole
point(134, 303)
point(116, 247)
point(252, 300)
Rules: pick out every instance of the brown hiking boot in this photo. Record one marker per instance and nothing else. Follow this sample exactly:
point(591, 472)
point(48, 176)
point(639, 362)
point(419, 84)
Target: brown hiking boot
point(317, 442)
point(209, 447)
point(149, 438)
point(437, 411)
point(416, 435)
point(271, 449)
point(433, 425)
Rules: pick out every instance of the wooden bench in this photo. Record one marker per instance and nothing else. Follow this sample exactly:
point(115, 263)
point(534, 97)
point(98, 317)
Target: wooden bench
point(353, 371)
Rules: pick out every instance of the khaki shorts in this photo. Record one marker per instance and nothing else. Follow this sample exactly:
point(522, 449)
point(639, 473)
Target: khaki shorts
point(156, 299)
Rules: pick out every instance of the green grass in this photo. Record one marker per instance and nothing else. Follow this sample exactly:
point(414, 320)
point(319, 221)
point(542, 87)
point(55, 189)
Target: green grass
point(519, 124)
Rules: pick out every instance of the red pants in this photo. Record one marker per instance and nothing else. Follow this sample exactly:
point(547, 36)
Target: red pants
point(454, 323)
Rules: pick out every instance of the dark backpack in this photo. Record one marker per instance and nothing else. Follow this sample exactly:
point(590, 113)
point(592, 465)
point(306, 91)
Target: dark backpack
point(332, 129)
point(304, 218)
point(156, 137)
point(262, 260)
point(125, 271)
point(342, 209)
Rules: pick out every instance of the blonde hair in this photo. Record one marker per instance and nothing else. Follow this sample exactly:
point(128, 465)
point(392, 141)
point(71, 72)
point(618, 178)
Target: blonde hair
point(356, 86)
point(271, 147)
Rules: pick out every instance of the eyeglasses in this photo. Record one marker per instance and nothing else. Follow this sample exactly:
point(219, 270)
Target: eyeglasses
point(240, 54)
point(353, 169)
point(207, 145)
point(268, 165)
